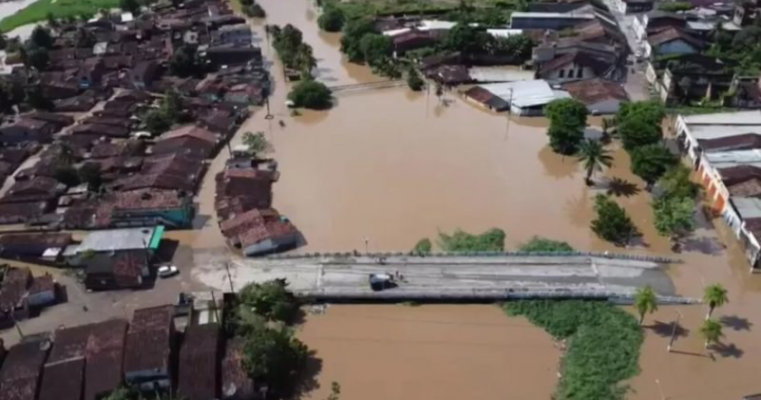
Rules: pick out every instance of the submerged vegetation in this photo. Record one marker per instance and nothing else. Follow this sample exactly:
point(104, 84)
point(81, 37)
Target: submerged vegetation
point(461, 241)
point(603, 345)
point(539, 244)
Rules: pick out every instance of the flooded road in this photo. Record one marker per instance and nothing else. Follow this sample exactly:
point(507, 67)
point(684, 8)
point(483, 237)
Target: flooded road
point(431, 352)
point(394, 166)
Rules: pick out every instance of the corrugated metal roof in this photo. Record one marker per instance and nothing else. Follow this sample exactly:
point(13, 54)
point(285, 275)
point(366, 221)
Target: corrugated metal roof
point(117, 239)
point(499, 74)
point(526, 93)
point(550, 15)
point(727, 118)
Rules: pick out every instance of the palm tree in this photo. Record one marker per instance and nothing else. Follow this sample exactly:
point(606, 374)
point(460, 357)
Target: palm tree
point(716, 296)
point(594, 156)
point(711, 330)
point(646, 302)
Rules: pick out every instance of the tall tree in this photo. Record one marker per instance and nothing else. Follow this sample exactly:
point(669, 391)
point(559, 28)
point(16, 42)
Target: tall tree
point(274, 357)
point(612, 223)
point(594, 156)
point(674, 217)
point(715, 296)
point(651, 161)
point(645, 301)
point(712, 331)
point(467, 39)
point(129, 6)
point(41, 37)
point(636, 132)
point(568, 118)
point(676, 182)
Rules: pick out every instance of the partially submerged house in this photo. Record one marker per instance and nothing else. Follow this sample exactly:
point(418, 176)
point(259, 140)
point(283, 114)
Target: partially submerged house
point(260, 231)
point(526, 98)
point(599, 95)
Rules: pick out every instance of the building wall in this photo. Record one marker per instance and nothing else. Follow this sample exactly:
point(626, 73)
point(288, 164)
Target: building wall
point(570, 73)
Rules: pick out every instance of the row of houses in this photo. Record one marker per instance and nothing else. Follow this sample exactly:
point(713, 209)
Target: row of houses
point(148, 355)
point(243, 203)
point(109, 259)
point(726, 151)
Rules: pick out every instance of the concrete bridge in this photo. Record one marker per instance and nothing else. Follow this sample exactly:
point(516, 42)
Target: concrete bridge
point(448, 278)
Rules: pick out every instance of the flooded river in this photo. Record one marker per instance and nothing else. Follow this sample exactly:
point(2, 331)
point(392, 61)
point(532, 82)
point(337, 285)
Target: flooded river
point(392, 167)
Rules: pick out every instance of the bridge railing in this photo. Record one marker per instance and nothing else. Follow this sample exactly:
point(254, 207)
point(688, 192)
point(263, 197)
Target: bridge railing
point(615, 256)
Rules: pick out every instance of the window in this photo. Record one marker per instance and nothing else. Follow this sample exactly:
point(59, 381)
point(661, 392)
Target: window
point(581, 73)
point(562, 73)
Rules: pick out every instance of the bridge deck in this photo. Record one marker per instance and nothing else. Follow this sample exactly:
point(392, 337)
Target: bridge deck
point(432, 278)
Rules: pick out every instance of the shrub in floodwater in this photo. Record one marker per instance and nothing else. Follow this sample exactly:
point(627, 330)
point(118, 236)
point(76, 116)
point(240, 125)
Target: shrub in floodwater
point(461, 241)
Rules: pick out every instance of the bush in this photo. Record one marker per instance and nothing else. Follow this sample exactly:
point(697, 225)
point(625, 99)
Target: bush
point(612, 223)
point(423, 246)
point(376, 48)
point(67, 175)
point(354, 31)
point(603, 346)
point(676, 183)
point(414, 81)
point(674, 216)
point(311, 94)
point(156, 122)
point(270, 299)
point(331, 20)
point(636, 132)
point(540, 244)
point(651, 161)
point(460, 241)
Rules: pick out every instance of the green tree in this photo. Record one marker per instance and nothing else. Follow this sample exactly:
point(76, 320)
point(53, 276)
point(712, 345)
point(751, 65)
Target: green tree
point(156, 122)
point(645, 301)
point(274, 357)
point(715, 295)
point(414, 81)
point(568, 118)
point(612, 223)
point(332, 19)
point(461, 241)
point(41, 37)
point(11, 94)
point(132, 6)
point(467, 39)
point(543, 245)
point(173, 106)
point(3, 42)
point(649, 112)
point(674, 217)
point(423, 247)
point(186, 62)
point(651, 161)
point(270, 299)
point(52, 20)
point(516, 46)
point(67, 175)
point(712, 331)
point(311, 94)
point(375, 48)
point(638, 132)
point(676, 182)
point(90, 173)
point(354, 31)
point(594, 156)
point(257, 144)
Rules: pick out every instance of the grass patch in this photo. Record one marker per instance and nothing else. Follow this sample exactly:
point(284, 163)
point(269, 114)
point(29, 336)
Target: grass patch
point(603, 345)
point(39, 11)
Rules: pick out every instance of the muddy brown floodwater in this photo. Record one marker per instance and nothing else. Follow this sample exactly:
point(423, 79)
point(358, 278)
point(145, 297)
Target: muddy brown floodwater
point(394, 166)
point(430, 352)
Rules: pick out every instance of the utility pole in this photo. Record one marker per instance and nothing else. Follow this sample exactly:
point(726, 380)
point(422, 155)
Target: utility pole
point(229, 277)
point(673, 331)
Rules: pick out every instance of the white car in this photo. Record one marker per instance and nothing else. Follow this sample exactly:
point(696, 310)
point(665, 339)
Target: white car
point(168, 270)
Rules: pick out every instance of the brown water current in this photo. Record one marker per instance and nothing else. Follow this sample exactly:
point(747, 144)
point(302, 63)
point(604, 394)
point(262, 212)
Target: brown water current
point(394, 166)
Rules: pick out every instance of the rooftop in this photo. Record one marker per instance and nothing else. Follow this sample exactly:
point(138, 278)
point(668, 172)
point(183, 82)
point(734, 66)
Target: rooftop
point(63, 380)
point(198, 363)
point(149, 339)
point(525, 93)
point(22, 368)
point(122, 239)
point(550, 15)
point(747, 207)
point(595, 90)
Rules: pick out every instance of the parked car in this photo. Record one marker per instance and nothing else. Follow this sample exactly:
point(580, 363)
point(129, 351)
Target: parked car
point(167, 271)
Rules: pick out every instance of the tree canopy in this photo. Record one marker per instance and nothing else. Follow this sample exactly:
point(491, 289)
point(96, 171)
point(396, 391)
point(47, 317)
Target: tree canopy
point(674, 216)
point(594, 157)
point(637, 132)
point(41, 37)
point(467, 39)
point(311, 94)
point(676, 183)
point(270, 299)
point(715, 295)
point(612, 223)
point(423, 246)
point(354, 30)
point(568, 118)
point(289, 44)
point(186, 62)
point(274, 356)
point(651, 161)
point(257, 144)
point(645, 301)
point(332, 19)
point(712, 331)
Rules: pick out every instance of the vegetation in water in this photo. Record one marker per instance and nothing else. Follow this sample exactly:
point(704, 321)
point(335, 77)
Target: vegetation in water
point(311, 94)
point(594, 157)
point(603, 345)
point(293, 52)
point(612, 222)
point(257, 144)
point(651, 161)
point(645, 301)
point(544, 245)
point(423, 247)
point(461, 241)
point(568, 118)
